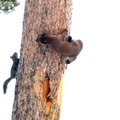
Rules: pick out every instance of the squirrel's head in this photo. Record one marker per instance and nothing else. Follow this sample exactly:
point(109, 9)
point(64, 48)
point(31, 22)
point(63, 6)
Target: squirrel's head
point(15, 55)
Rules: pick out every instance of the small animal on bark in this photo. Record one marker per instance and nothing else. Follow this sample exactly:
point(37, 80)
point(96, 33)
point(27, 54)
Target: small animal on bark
point(13, 72)
point(66, 46)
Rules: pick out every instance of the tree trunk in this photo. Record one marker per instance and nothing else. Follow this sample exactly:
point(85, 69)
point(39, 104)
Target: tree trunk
point(38, 88)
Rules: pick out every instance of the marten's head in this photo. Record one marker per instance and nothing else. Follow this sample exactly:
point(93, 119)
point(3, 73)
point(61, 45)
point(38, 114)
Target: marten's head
point(65, 46)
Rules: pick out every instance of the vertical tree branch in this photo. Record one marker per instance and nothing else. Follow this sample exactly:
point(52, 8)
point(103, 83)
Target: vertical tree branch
point(39, 83)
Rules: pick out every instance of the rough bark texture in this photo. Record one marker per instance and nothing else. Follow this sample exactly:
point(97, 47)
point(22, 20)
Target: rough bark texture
point(39, 80)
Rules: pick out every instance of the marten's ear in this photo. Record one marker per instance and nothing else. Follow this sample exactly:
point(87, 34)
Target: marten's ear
point(45, 39)
point(63, 32)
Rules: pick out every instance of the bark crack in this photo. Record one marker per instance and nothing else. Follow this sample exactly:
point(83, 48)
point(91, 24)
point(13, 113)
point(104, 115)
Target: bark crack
point(46, 91)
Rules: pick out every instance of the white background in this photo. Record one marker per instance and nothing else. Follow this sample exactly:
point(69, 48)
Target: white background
point(91, 89)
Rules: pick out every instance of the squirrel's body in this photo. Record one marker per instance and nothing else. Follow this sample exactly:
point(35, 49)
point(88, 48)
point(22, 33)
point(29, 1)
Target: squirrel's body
point(13, 72)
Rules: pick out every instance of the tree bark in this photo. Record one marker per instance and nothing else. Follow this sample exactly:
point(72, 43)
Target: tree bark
point(38, 89)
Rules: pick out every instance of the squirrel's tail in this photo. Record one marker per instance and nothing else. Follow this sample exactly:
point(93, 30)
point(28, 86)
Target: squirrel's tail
point(5, 84)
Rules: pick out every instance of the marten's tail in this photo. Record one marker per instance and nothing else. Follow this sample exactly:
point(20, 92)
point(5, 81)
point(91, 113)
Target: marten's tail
point(5, 84)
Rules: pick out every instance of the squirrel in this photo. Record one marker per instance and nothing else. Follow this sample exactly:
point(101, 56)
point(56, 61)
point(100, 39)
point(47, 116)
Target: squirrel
point(14, 69)
point(66, 46)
